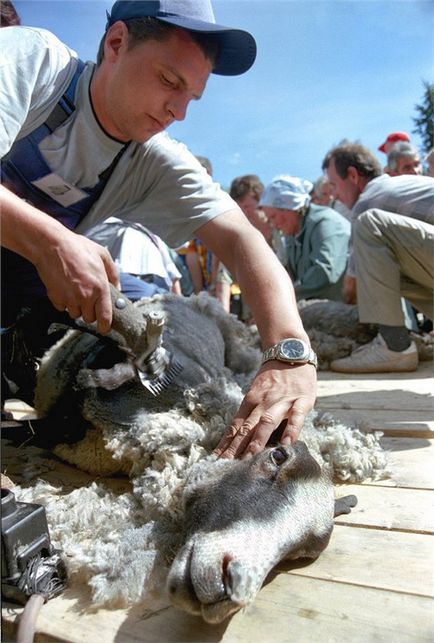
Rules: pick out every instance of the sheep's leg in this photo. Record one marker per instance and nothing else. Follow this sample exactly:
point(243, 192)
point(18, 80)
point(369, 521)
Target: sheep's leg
point(344, 505)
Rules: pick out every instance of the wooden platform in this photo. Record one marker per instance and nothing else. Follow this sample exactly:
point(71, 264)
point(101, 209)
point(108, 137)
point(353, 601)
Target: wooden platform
point(375, 581)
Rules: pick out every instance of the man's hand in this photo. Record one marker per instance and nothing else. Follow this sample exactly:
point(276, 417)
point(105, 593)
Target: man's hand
point(278, 392)
point(76, 272)
point(349, 290)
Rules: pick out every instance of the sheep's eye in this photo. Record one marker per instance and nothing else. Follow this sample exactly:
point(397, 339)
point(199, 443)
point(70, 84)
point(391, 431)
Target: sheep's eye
point(278, 456)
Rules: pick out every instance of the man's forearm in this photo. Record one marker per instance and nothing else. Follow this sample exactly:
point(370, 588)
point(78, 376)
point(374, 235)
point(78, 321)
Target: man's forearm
point(24, 228)
point(264, 282)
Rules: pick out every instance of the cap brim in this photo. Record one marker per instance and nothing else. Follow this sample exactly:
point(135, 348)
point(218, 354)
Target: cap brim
point(237, 48)
point(382, 148)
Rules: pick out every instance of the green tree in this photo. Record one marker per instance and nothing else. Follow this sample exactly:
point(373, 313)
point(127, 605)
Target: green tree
point(425, 120)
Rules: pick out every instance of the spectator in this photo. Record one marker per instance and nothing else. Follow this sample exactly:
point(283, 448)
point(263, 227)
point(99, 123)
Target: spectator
point(101, 152)
point(393, 236)
point(196, 258)
point(323, 195)
point(316, 238)
point(393, 138)
point(403, 158)
point(246, 191)
point(429, 159)
point(8, 14)
point(141, 255)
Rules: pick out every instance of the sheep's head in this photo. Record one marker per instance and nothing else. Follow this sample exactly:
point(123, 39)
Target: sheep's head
point(241, 519)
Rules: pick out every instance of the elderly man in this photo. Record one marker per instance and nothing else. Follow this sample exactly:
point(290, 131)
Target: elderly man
point(403, 158)
point(82, 142)
point(391, 140)
point(315, 237)
point(393, 235)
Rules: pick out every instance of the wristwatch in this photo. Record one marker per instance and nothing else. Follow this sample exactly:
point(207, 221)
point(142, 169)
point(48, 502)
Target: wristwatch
point(291, 350)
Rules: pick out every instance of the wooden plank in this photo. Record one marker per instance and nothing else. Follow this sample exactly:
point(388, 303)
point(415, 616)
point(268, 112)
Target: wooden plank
point(413, 380)
point(389, 508)
point(393, 423)
point(387, 560)
point(410, 461)
point(307, 611)
point(380, 399)
point(289, 608)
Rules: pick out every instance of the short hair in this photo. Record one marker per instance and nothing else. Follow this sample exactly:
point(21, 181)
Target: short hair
point(243, 185)
point(8, 14)
point(320, 183)
point(206, 163)
point(355, 155)
point(149, 28)
point(401, 150)
point(429, 158)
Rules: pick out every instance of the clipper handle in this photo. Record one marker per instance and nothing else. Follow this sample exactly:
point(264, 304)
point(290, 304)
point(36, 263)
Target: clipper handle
point(129, 322)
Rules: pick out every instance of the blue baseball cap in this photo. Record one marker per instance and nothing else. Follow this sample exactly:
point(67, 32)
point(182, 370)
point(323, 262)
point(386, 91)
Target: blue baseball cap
point(237, 48)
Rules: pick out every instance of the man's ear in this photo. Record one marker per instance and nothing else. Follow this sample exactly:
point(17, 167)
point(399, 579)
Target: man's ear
point(353, 175)
point(116, 39)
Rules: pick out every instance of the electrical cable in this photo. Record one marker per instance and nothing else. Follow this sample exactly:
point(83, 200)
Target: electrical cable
point(28, 618)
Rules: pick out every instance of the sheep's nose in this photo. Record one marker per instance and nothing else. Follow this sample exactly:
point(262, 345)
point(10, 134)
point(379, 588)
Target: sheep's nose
point(239, 581)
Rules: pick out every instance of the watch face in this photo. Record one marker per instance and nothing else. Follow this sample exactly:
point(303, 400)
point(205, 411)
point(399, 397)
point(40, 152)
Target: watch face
point(292, 349)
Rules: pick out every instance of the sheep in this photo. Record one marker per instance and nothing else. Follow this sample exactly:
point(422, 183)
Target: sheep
point(335, 331)
point(126, 546)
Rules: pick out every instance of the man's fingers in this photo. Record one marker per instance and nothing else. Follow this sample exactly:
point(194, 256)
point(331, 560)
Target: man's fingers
point(232, 441)
point(246, 437)
point(111, 269)
point(58, 305)
point(296, 418)
point(104, 313)
point(74, 311)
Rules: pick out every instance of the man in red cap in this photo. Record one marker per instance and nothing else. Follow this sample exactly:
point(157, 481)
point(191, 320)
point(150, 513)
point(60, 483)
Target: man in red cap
point(393, 138)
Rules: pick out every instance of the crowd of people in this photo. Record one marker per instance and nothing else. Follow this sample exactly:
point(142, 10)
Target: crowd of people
point(93, 193)
point(345, 237)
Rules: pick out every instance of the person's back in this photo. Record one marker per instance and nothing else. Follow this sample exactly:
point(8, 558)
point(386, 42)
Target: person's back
point(139, 253)
point(409, 195)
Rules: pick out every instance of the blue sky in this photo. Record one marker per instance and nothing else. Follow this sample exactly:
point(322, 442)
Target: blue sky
point(325, 70)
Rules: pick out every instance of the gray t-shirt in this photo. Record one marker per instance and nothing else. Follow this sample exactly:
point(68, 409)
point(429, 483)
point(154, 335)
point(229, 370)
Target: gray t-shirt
point(158, 183)
point(409, 195)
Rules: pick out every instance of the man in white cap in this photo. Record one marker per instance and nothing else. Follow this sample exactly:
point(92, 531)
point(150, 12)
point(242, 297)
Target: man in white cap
point(82, 142)
point(315, 237)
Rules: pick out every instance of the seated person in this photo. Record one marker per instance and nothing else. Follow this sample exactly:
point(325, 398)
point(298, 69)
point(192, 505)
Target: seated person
point(315, 237)
point(197, 260)
point(145, 264)
point(323, 195)
point(246, 191)
point(393, 235)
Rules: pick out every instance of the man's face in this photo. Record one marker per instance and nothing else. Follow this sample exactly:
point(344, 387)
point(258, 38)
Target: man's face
point(139, 92)
point(346, 190)
point(287, 221)
point(407, 165)
point(248, 204)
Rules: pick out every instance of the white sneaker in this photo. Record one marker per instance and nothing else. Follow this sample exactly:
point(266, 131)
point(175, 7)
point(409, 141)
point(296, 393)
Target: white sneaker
point(376, 357)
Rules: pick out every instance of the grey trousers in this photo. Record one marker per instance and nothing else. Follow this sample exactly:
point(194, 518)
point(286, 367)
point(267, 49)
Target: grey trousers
point(394, 258)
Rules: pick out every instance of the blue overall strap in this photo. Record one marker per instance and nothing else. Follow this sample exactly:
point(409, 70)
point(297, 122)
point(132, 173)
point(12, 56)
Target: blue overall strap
point(24, 164)
point(19, 168)
point(66, 104)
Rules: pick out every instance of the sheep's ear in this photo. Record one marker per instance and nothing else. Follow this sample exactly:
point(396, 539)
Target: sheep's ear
point(344, 505)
